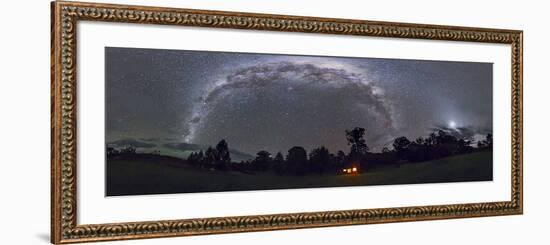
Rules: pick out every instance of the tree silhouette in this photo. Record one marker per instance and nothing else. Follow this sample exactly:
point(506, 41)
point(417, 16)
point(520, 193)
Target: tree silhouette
point(223, 159)
point(192, 158)
point(279, 163)
point(489, 140)
point(444, 138)
point(209, 157)
point(340, 159)
point(358, 144)
point(279, 158)
point(111, 151)
point(487, 143)
point(415, 151)
point(200, 158)
point(297, 160)
point(431, 140)
point(446, 144)
point(400, 145)
point(196, 159)
point(320, 159)
point(262, 161)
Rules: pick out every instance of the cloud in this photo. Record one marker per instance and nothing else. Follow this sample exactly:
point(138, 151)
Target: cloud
point(184, 146)
point(131, 142)
point(235, 154)
point(465, 132)
point(150, 139)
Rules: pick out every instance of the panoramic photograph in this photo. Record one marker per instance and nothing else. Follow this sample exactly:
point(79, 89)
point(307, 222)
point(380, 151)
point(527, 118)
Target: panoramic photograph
point(184, 121)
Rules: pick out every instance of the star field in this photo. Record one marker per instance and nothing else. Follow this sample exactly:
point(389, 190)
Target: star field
point(274, 102)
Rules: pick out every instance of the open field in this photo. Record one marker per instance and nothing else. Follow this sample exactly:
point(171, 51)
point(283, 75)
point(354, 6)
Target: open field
point(162, 175)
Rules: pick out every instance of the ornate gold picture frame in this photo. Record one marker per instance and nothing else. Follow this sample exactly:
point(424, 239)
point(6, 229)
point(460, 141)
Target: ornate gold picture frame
point(64, 106)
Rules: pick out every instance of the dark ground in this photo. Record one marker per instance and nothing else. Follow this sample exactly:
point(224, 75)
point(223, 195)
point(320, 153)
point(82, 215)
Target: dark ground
point(163, 175)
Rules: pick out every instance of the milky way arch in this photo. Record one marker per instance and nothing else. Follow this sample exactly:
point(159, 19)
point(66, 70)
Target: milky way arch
point(291, 74)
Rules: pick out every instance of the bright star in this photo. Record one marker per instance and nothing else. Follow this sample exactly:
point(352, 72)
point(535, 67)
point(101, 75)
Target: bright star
point(452, 124)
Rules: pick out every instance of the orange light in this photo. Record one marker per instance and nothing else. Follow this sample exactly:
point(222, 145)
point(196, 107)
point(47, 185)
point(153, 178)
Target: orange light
point(354, 169)
point(344, 170)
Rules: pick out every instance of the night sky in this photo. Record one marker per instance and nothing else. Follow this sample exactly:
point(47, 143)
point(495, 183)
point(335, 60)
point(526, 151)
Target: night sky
point(274, 102)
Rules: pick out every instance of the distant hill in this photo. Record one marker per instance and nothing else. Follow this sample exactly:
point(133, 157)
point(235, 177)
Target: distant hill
point(174, 149)
point(186, 147)
point(130, 142)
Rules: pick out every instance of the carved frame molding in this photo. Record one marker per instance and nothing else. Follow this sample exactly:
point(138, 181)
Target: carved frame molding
point(66, 15)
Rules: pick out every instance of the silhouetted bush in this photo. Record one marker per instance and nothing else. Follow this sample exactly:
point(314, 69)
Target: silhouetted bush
point(437, 144)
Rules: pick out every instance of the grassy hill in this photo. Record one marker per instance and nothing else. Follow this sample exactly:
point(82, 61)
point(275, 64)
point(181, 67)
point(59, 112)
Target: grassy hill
point(162, 175)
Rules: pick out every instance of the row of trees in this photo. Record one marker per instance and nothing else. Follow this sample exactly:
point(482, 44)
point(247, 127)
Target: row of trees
point(319, 160)
point(437, 145)
point(111, 151)
point(128, 150)
point(298, 161)
point(216, 158)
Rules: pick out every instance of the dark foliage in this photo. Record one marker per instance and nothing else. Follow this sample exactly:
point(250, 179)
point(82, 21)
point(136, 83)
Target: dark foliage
point(358, 144)
point(222, 158)
point(487, 143)
point(437, 145)
point(320, 160)
point(297, 161)
point(262, 162)
point(279, 164)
